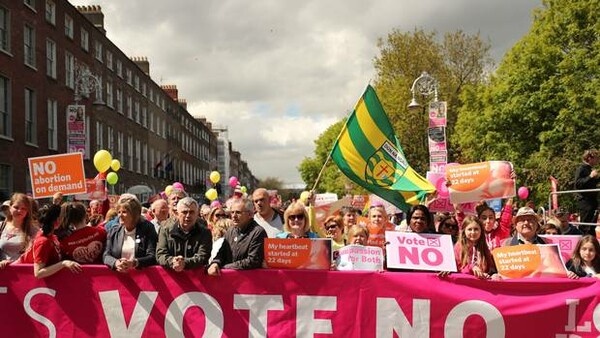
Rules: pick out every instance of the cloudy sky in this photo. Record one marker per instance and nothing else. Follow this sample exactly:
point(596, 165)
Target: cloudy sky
point(277, 73)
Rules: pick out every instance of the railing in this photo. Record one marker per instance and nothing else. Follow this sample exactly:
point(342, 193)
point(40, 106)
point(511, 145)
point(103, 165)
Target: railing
point(571, 192)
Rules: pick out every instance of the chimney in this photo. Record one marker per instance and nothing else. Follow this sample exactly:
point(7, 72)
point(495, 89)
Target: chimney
point(94, 15)
point(171, 90)
point(142, 63)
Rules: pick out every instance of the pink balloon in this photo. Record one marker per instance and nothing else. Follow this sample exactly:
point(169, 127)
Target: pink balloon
point(215, 204)
point(523, 193)
point(178, 186)
point(233, 181)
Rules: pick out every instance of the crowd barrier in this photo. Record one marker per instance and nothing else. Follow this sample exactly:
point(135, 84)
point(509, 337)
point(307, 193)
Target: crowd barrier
point(155, 302)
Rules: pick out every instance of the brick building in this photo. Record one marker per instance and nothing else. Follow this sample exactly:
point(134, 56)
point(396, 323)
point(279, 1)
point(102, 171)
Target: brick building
point(53, 54)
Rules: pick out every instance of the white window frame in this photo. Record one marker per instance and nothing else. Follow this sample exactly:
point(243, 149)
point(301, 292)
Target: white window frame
point(98, 50)
point(99, 136)
point(5, 29)
point(51, 12)
point(51, 58)
point(30, 117)
point(120, 101)
point(109, 59)
point(85, 40)
point(52, 124)
point(69, 27)
point(5, 108)
point(109, 93)
point(29, 45)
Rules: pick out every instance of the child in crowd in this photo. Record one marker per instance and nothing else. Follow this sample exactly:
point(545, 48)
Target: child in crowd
point(552, 227)
point(585, 261)
point(44, 254)
point(472, 253)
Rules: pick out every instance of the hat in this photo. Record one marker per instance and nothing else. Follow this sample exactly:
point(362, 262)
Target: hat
point(525, 211)
point(5, 205)
point(561, 211)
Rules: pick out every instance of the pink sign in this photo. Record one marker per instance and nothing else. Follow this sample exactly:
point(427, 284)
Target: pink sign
point(437, 139)
point(432, 252)
point(566, 244)
point(437, 114)
point(154, 302)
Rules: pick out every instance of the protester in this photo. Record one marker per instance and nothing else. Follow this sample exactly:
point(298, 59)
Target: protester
point(552, 227)
point(296, 223)
point(526, 226)
point(471, 252)
point(95, 208)
point(349, 217)
point(132, 243)
point(495, 231)
point(173, 198)
point(420, 220)
point(448, 226)
point(585, 261)
point(334, 229)
point(17, 231)
point(216, 213)
point(115, 221)
point(160, 210)
point(218, 230)
point(586, 177)
point(185, 244)
point(111, 215)
point(565, 227)
point(204, 212)
point(78, 241)
point(57, 198)
point(44, 254)
point(243, 247)
point(267, 217)
point(357, 235)
point(378, 225)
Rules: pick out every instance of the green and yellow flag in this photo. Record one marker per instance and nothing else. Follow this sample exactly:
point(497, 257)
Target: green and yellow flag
point(369, 153)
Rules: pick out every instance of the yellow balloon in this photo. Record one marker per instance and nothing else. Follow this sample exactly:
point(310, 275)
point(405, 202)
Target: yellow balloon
point(211, 194)
point(115, 165)
point(304, 196)
point(168, 189)
point(215, 177)
point(112, 178)
point(102, 160)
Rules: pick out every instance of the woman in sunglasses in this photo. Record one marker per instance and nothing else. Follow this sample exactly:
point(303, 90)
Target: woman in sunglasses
point(216, 213)
point(449, 226)
point(334, 229)
point(296, 223)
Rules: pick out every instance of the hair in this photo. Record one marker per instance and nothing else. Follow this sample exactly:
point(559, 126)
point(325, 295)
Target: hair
point(27, 226)
point(188, 202)
point(133, 206)
point(71, 213)
point(551, 223)
point(357, 229)
point(588, 154)
point(95, 220)
point(246, 203)
point(576, 257)
point(295, 208)
point(443, 220)
point(381, 209)
point(426, 213)
point(212, 213)
point(347, 209)
point(49, 214)
point(110, 214)
point(481, 207)
point(220, 227)
point(336, 219)
point(480, 246)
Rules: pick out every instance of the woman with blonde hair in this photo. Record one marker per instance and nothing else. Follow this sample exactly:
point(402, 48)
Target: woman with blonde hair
point(296, 222)
point(17, 231)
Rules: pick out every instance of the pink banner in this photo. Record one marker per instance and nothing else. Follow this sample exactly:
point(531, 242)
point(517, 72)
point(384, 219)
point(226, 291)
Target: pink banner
point(289, 303)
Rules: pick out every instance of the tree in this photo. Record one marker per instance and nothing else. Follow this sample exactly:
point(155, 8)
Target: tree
point(271, 183)
point(540, 110)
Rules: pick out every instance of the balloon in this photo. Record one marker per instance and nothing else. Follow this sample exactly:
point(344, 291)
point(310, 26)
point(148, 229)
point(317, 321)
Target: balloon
point(211, 194)
point(442, 189)
point(215, 177)
point(112, 178)
point(243, 189)
point(233, 181)
point(304, 196)
point(168, 189)
point(523, 193)
point(215, 204)
point(102, 160)
point(178, 186)
point(115, 165)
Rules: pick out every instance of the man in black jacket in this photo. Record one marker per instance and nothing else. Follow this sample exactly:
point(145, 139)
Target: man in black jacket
point(243, 247)
point(184, 244)
point(586, 177)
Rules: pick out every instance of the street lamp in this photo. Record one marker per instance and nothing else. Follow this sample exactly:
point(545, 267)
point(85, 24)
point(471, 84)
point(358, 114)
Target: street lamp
point(425, 85)
point(86, 83)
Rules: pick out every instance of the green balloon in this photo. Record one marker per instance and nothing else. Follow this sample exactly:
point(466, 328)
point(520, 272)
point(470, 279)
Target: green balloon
point(112, 178)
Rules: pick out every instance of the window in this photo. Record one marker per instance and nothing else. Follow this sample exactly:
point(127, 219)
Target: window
point(99, 136)
point(30, 117)
point(98, 50)
point(6, 179)
point(110, 140)
point(29, 45)
point(69, 31)
point(4, 29)
point(136, 83)
point(144, 88)
point(145, 159)
point(52, 124)
point(119, 145)
point(69, 70)
point(109, 94)
point(109, 60)
point(30, 3)
point(136, 110)
point(145, 117)
point(85, 40)
point(5, 114)
point(51, 58)
point(119, 100)
point(51, 12)
point(129, 107)
point(138, 157)
point(128, 76)
point(130, 152)
point(119, 69)
point(151, 122)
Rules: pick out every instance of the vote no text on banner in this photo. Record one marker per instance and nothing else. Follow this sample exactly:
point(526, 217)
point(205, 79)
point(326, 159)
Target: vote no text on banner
point(57, 173)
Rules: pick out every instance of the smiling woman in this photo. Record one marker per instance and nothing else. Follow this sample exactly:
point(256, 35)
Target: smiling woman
point(296, 222)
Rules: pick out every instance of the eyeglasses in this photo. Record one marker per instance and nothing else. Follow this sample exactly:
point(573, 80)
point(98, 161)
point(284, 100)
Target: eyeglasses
point(332, 226)
point(299, 217)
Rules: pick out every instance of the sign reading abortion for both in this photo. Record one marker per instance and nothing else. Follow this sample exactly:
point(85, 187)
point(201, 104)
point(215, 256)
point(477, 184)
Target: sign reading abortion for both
point(155, 302)
point(57, 173)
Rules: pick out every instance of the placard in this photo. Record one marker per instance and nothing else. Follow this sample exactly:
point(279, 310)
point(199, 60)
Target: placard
point(437, 114)
point(298, 253)
point(96, 190)
point(359, 257)
point(566, 244)
point(62, 173)
point(432, 252)
point(437, 139)
point(529, 260)
point(76, 137)
point(480, 181)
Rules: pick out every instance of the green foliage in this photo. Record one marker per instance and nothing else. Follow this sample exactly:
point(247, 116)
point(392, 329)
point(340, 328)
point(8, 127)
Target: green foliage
point(271, 183)
point(540, 110)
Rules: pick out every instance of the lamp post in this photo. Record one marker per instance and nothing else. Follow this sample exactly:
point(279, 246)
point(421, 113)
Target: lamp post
point(86, 83)
point(424, 85)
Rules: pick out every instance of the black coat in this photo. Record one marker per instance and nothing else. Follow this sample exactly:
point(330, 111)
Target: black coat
point(145, 244)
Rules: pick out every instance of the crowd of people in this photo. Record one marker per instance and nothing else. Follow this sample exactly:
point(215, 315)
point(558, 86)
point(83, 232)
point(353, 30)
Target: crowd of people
point(179, 234)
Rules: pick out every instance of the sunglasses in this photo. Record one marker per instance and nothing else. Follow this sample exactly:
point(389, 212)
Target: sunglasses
point(299, 217)
point(331, 226)
point(220, 215)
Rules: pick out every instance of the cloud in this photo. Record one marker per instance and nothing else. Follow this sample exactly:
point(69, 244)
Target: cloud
point(277, 73)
